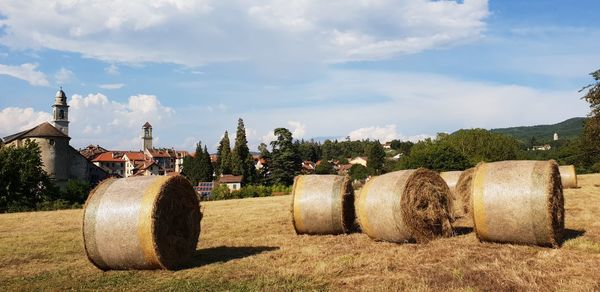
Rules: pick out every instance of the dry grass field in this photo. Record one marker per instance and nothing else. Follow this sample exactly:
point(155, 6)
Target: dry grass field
point(250, 244)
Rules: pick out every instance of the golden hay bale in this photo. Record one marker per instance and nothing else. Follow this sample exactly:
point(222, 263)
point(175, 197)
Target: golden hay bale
point(518, 202)
point(146, 222)
point(404, 206)
point(322, 204)
point(568, 176)
point(462, 193)
point(451, 178)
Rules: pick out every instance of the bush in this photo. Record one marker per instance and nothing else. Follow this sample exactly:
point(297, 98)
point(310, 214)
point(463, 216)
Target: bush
point(435, 155)
point(222, 192)
point(358, 172)
point(76, 191)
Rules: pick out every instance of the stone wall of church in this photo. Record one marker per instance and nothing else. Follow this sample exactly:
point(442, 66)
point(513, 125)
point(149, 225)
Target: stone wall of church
point(83, 169)
point(55, 157)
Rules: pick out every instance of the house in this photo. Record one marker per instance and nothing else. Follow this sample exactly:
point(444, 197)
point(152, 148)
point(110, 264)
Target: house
point(544, 147)
point(133, 162)
point(179, 156)
point(358, 160)
point(308, 167)
point(343, 169)
point(91, 152)
point(387, 145)
point(161, 157)
point(233, 182)
point(111, 162)
point(149, 168)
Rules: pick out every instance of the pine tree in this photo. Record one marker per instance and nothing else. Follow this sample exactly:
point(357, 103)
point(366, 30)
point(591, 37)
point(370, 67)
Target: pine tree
point(224, 155)
point(285, 163)
point(242, 162)
point(207, 167)
point(376, 158)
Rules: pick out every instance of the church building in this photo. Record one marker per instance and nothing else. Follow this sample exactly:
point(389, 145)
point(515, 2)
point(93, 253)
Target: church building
point(60, 160)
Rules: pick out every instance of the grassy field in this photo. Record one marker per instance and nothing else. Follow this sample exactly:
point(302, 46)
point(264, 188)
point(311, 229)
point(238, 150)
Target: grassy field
point(250, 244)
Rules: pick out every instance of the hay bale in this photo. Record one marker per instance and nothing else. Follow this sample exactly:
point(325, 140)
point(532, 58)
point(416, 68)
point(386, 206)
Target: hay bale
point(568, 176)
point(147, 222)
point(518, 202)
point(405, 206)
point(462, 193)
point(451, 178)
point(322, 204)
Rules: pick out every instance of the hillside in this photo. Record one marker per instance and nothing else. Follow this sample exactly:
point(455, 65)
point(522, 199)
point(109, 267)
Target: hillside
point(568, 130)
point(250, 245)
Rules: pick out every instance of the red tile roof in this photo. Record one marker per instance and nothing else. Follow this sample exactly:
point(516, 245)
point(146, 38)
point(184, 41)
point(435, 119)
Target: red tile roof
point(109, 157)
point(135, 156)
point(159, 153)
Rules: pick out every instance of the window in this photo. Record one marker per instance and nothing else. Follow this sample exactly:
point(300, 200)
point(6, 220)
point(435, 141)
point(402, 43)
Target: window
point(61, 114)
point(51, 141)
point(235, 186)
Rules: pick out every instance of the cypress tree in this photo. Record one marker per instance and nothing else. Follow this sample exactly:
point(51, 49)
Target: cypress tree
point(207, 166)
point(224, 155)
point(242, 162)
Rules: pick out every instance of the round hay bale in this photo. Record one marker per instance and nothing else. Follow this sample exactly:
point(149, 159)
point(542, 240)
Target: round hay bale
point(451, 178)
point(405, 206)
point(518, 202)
point(568, 176)
point(462, 192)
point(146, 222)
point(322, 204)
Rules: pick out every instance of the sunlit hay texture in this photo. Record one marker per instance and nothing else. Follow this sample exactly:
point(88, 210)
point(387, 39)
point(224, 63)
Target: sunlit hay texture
point(148, 222)
point(518, 202)
point(323, 204)
point(405, 206)
point(568, 176)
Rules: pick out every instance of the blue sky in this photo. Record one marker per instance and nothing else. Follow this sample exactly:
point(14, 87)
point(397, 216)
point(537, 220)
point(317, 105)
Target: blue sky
point(376, 69)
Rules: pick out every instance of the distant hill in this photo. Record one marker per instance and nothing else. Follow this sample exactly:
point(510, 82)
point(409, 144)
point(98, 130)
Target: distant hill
point(568, 129)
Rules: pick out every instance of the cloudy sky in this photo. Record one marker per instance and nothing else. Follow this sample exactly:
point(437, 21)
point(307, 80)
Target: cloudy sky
point(379, 69)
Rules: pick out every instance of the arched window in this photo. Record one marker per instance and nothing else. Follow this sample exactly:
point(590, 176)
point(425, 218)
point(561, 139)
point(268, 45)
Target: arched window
point(61, 114)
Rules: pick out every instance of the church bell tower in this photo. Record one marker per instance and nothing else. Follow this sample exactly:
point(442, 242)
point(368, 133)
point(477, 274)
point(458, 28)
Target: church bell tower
point(147, 136)
point(60, 112)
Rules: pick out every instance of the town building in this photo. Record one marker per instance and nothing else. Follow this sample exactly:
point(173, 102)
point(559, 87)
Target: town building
point(358, 160)
point(233, 182)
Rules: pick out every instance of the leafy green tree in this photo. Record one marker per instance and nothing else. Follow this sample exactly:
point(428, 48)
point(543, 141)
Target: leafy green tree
point(309, 151)
point(242, 162)
point(591, 131)
point(482, 145)
point(358, 172)
point(325, 167)
point(376, 158)
point(285, 163)
point(224, 155)
point(23, 182)
point(401, 147)
point(436, 155)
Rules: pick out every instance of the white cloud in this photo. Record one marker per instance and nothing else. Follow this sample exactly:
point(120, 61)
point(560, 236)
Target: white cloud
point(112, 69)
point(25, 72)
point(112, 86)
point(98, 120)
point(225, 30)
point(298, 129)
point(63, 75)
point(384, 134)
point(14, 120)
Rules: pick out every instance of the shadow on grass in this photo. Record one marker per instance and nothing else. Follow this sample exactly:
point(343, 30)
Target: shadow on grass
point(569, 234)
point(461, 230)
point(222, 254)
